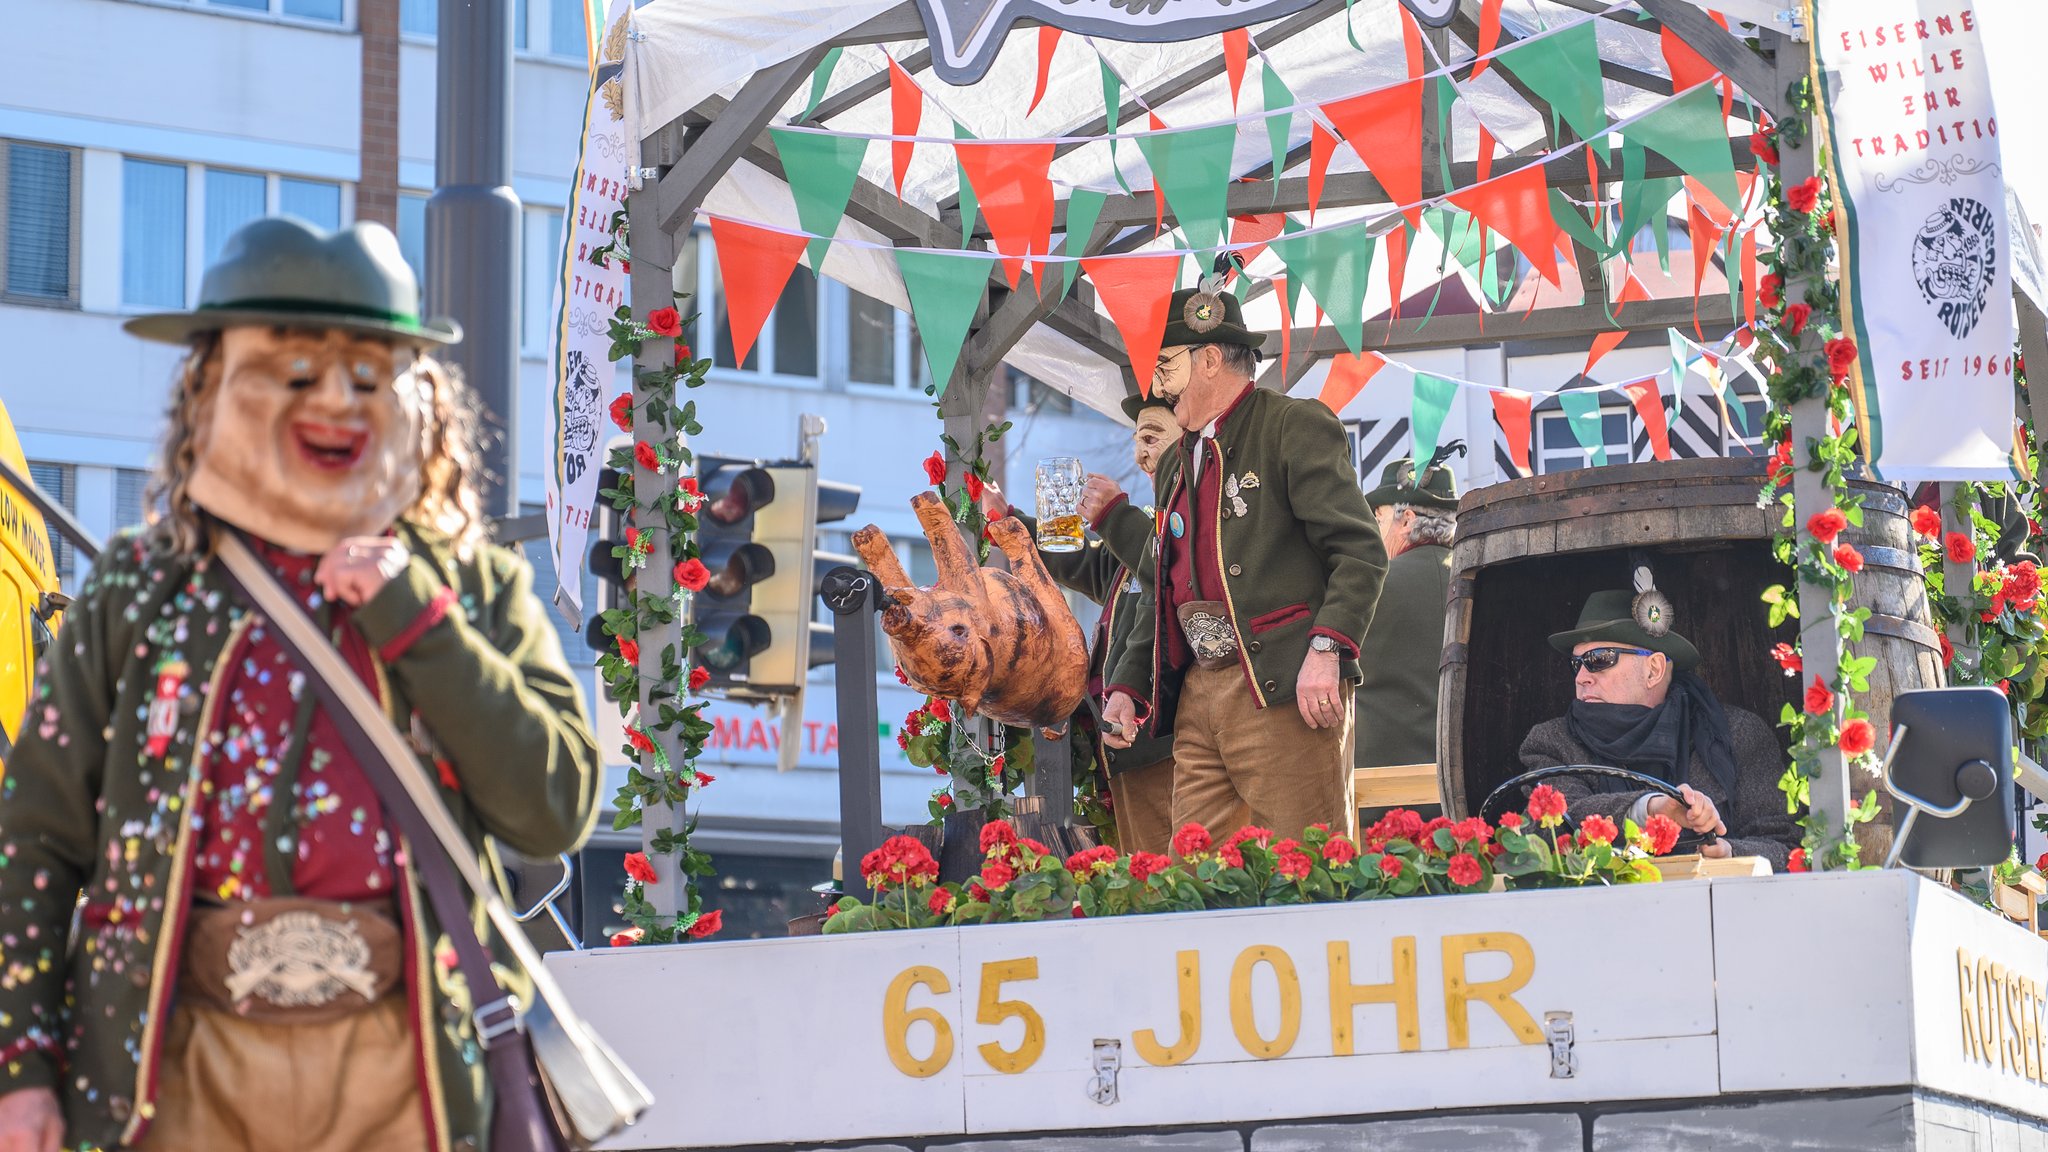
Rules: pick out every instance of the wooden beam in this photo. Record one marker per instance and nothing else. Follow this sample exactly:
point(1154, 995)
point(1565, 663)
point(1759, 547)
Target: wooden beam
point(867, 88)
point(872, 205)
point(990, 342)
point(725, 138)
point(1577, 320)
point(1736, 60)
point(1466, 26)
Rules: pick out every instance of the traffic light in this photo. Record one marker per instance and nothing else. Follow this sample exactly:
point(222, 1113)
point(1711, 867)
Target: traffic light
point(613, 582)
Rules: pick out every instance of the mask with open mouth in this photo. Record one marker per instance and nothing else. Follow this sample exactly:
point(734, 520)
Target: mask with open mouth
point(307, 438)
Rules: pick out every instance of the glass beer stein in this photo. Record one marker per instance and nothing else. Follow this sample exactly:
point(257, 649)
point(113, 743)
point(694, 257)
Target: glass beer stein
point(1060, 480)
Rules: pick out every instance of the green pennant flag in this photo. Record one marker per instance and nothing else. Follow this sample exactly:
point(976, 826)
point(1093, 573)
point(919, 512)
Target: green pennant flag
point(1112, 111)
point(1563, 69)
point(1279, 126)
point(1430, 404)
point(1084, 208)
point(1192, 168)
point(1582, 412)
point(1334, 264)
point(821, 80)
point(1576, 226)
point(1690, 132)
point(945, 290)
point(822, 169)
point(1289, 226)
point(1445, 94)
point(1459, 233)
point(968, 204)
point(1678, 358)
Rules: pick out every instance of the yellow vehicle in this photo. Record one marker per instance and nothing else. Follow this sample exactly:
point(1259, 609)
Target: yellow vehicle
point(29, 596)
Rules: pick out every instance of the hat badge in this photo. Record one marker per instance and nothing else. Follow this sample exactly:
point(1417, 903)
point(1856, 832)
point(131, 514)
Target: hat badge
point(1203, 312)
point(1650, 608)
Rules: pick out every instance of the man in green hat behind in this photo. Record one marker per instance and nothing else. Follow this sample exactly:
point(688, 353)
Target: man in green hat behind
point(1269, 565)
point(1639, 704)
point(1417, 515)
point(250, 963)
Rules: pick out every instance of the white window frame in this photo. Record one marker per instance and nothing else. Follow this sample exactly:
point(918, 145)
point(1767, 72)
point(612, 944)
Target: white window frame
point(195, 215)
point(704, 338)
point(273, 10)
point(1554, 418)
point(71, 300)
point(840, 306)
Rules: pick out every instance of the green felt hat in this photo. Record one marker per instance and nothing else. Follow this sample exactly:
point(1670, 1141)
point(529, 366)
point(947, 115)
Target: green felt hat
point(1437, 489)
point(1618, 616)
point(1136, 404)
point(282, 270)
point(1197, 317)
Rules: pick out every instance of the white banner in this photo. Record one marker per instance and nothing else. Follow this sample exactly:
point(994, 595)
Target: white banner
point(585, 296)
point(1928, 261)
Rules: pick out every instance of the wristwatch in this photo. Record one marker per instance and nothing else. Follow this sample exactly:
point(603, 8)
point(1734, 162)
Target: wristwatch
point(1322, 643)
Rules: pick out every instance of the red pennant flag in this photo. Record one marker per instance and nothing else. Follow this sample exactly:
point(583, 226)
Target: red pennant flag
point(1649, 402)
point(1397, 264)
point(1706, 235)
point(1236, 42)
point(753, 265)
point(1751, 272)
point(1015, 197)
point(1517, 206)
point(1486, 147)
point(1631, 289)
point(1511, 411)
point(1687, 66)
point(1721, 214)
point(1411, 42)
point(1321, 146)
point(1385, 129)
point(1489, 36)
point(906, 113)
point(1048, 41)
point(1286, 322)
point(1347, 378)
point(1135, 290)
point(1255, 231)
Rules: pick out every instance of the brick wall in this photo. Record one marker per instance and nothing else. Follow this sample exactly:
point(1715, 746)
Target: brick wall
point(377, 191)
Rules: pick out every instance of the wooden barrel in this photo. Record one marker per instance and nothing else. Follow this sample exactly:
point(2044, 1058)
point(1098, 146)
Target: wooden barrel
point(1529, 551)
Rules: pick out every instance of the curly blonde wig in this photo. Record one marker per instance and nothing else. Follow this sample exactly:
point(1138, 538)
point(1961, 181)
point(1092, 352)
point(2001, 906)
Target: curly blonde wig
point(449, 502)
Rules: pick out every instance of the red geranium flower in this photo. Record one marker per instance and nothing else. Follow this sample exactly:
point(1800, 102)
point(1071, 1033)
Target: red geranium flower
point(997, 875)
point(1400, 824)
point(1512, 821)
point(1465, 870)
point(1849, 557)
point(1841, 356)
point(935, 468)
point(692, 574)
point(1961, 549)
point(1796, 316)
point(707, 924)
point(1825, 526)
point(645, 456)
point(1191, 838)
point(1340, 851)
point(976, 892)
point(1804, 196)
point(627, 938)
point(1295, 865)
point(629, 650)
point(1818, 699)
point(639, 869)
point(1858, 737)
point(1598, 829)
point(1471, 830)
point(1145, 865)
point(1547, 805)
point(973, 483)
point(1760, 146)
point(1096, 861)
point(1769, 289)
point(699, 677)
point(1662, 833)
point(1926, 521)
point(941, 901)
point(997, 834)
point(1797, 861)
point(622, 412)
point(900, 861)
point(1390, 867)
point(1787, 658)
point(665, 322)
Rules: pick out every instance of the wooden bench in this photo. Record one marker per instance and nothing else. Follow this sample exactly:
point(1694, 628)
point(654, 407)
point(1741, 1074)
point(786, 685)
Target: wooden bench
point(1395, 786)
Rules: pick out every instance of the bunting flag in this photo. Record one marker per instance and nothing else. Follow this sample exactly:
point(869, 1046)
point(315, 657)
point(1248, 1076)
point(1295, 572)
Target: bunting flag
point(1582, 413)
point(1333, 265)
point(1192, 168)
point(1385, 129)
point(1321, 146)
point(821, 79)
point(1048, 42)
point(1348, 377)
point(1428, 407)
point(1489, 35)
point(1691, 132)
point(1255, 231)
point(1397, 267)
point(1134, 290)
point(1084, 208)
point(1678, 367)
point(1706, 236)
point(906, 116)
point(1236, 46)
point(945, 292)
point(1279, 127)
point(1605, 342)
point(1511, 410)
point(1517, 206)
point(1563, 69)
point(969, 209)
point(822, 169)
point(753, 266)
point(1113, 106)
point(1649, 403)
point(1014, 194)
point(1283, 298)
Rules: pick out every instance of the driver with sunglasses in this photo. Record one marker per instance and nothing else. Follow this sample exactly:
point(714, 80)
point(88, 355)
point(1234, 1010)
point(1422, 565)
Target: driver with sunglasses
point(1640, 705)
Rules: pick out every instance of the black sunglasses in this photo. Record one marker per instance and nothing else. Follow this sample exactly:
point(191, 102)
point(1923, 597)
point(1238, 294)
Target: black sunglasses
point(1600, 660)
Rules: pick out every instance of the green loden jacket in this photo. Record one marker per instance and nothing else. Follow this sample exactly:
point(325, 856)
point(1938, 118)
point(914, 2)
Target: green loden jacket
point(1401, 656)
point(1306, 555)
point(1113, 570)
point(86, 810)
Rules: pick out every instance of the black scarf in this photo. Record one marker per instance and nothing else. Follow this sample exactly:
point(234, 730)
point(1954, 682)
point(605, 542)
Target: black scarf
point(1659, 741)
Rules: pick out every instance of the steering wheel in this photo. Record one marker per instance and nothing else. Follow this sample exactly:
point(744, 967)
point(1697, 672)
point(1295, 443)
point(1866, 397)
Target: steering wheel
point(1513, 794)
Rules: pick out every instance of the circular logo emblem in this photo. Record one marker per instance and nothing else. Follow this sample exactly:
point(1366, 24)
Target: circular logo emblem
point(1203, 313)
point(1179, 526)
point(1954, 257)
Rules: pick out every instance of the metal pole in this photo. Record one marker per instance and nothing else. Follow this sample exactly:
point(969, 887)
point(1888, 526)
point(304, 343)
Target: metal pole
point(473, 224)
point(851, 595)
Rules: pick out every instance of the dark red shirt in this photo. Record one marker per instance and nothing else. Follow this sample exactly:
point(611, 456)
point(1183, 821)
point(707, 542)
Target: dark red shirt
point(1190, 557)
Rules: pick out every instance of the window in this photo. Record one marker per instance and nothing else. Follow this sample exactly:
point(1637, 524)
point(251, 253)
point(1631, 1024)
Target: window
point(519, 26)
point(419, 17)
point(567, 37)
point(39, 245)
point(870, 340)
point(314, 201)
point(543, 245)
point(232, 200)
point(327, 10)
point(131, 505)
point(412, 231)
point(60, 483)
point(152, 234)
point(1558, 450)
point(796, 328)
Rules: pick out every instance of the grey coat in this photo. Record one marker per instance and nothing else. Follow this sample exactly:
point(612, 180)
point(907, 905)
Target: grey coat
point(1758, 824)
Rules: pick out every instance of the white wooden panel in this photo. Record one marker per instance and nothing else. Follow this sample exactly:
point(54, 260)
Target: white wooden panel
point(1978, 987)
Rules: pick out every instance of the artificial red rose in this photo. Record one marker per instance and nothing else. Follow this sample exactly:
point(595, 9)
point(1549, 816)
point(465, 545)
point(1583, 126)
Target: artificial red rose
point(974, 486)
point(997, 834)
point(688, 495)
point(2041, 862)
point(692, 574)
point(1961, 549)
point(1390, 867)
point(1339, 851)
point(1948, 650)
point(995, 769)
point(1841, 356)
point(1191, 838)
point(1760, 146)
point(632, 539)
point(645, 456)
point(1926, 521)
point(1849, 557)
point(935, 468)
point(626, 267)
point(1295, 865)
point(702, 779)
point(665, 322)
point(622, 412)
point(1796, 316)
point(1770, 289)
point(1546, 805)
point(1858, 737)
point(997, 875)
point(1804, 196)
point(699, 677)
point(639, 869)
point(1819, 700)
point(943, 799)
point(627, 938)
point(1598, 829)
point(2023, 581)
point(1145, 865)
point(1787, 658)
point(940, 710)
point(682, 351)
point(639, 740)
point(708, 924)
point(629, 650)
point(1797, 861)
point(1825, 526)
point(1781, 469)
point(1465, 870)
point(1662, 833)
point(2005, 687)
point(1511, 821)
point(941, 901)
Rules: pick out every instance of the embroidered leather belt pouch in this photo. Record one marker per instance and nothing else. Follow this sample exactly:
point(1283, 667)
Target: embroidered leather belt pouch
point(292, 959)
point(1206, 624)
